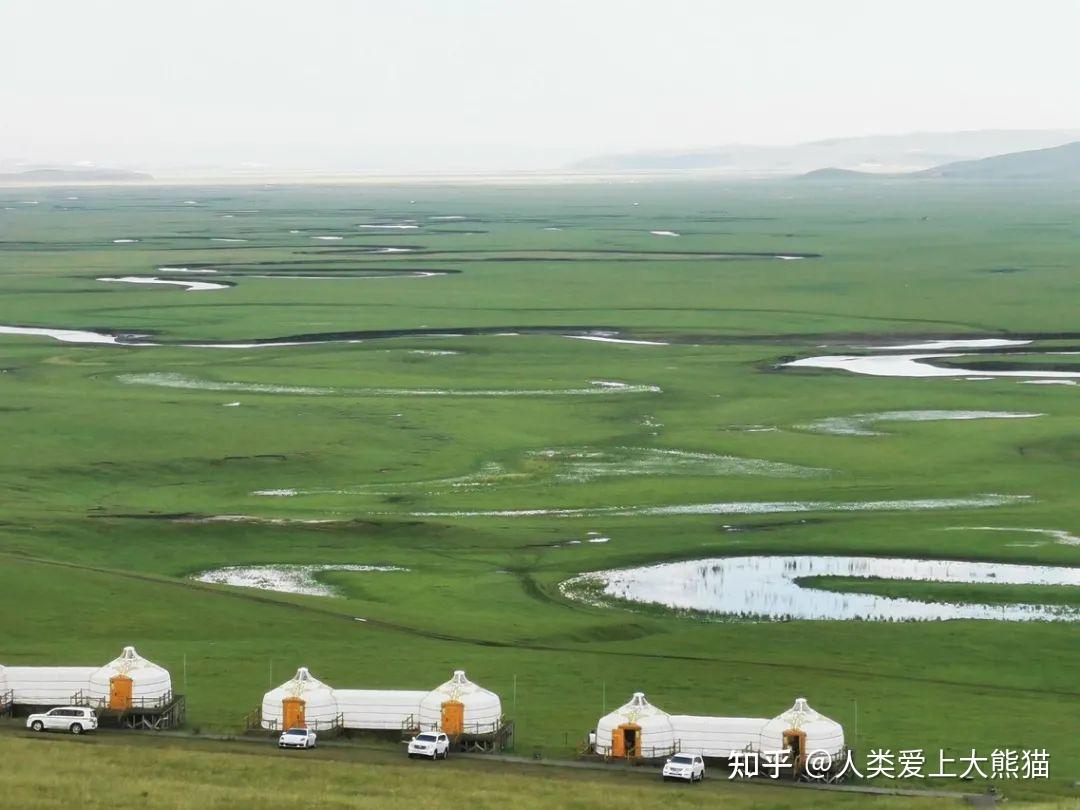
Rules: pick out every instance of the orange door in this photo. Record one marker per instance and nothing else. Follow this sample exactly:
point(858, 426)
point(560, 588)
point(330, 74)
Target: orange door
point(453, 718)
point(618, 743)
point(626, 740)
point(120, 692)
point(292, 713)
point(795, 745)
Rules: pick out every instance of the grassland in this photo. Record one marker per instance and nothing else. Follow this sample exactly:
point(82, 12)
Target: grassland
point(52, 773)
point(100, 458)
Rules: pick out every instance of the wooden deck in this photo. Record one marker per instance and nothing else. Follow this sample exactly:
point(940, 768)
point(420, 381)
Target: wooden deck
point(158, 714)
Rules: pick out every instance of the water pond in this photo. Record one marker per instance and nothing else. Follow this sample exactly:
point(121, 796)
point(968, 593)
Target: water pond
point(769, 587)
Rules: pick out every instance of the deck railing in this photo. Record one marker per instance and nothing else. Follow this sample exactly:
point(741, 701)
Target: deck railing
point(80, 698)
point(336, 722)
point(467, 730)
point(606, 750)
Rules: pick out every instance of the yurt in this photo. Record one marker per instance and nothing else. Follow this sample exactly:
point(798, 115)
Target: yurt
point(801, 731)
point(47, 686)
point(379, 709)
point(303, 700)
point(460, 706)
point(718, 737)
point(3, 682)
point(637, 729)
point(130, 681)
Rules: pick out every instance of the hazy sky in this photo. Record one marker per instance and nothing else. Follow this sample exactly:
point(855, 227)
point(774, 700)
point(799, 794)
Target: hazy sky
point(528, 83)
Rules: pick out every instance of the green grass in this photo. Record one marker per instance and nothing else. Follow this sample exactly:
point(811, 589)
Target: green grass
point(104, 773)
point(950, 592)
point(91, 463)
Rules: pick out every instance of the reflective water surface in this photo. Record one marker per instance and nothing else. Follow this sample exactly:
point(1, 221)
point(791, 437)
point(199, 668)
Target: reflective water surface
point(767, 587)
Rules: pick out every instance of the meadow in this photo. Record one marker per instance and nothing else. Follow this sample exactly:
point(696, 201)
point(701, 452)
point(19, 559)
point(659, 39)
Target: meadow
point(56, 773)
point(421, 397)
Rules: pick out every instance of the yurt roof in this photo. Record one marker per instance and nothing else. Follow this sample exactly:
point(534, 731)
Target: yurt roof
point(303, 682)
point(129, 661)
point(459, 686)
point(801, 715)
point(638, 708)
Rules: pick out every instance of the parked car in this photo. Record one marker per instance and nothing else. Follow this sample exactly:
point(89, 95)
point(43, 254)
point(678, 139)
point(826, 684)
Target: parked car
point(690, 767)
point(432, 744)
point(75, 719)
point(297, 738)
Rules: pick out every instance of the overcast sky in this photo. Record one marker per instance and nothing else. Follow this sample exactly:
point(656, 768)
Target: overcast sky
point(529, 83)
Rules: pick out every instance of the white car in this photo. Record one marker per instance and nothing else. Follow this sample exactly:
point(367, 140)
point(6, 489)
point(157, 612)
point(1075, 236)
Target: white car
point(297, 738)
point(75, 719)
point(690, 767)
point(432, 744)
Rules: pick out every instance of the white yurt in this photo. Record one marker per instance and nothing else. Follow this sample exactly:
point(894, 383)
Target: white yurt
point(802, 727)
point(3, 682)
point(130, 680)
point(379, 709)
point(460, 706)
point(637, 729)
point(47, 686)
point(303, 700)
point(718, 737)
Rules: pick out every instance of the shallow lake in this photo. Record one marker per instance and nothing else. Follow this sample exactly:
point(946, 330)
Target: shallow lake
point(768, 587)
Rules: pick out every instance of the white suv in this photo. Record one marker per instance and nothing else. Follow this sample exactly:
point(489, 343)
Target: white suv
point(690, 767)
point(432, 744)
point(75, 719)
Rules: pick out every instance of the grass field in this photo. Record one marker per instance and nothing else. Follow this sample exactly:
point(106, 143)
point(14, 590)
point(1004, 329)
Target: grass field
point(57, 773)
point(117, 458)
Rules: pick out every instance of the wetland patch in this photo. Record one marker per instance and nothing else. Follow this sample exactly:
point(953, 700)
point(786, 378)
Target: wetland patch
point(174, 380)
point(771, 587)
point(916, 365)
point(300, 579)
point(187, 285)
point(747, 508)
point(859, 424)
point(577, 465)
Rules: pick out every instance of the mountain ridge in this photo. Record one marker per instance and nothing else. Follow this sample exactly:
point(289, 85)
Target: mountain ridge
point(885, 154)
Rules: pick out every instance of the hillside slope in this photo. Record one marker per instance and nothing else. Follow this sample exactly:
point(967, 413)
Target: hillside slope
point(875, 154)
point(74, 175)
point(1056, 163)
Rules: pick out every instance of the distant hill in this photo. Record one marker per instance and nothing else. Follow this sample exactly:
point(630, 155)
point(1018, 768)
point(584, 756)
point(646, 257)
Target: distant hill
point(1060, 163)
point(884, 154)
point(1055, 163)
point(74, 175)
point(833, 173)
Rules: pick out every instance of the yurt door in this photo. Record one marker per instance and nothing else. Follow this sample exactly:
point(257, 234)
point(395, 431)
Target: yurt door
point(626, 740)
point(119, 692)
point(453, 718)
point(631, 741)
point(795, 745)
point(292, 713)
